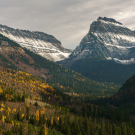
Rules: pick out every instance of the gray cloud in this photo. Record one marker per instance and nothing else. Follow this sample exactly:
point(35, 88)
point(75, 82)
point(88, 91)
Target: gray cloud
point(68, 21)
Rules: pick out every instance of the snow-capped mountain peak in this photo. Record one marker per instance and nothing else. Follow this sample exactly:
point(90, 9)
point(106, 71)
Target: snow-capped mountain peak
point(38, 42)
point(106, 39)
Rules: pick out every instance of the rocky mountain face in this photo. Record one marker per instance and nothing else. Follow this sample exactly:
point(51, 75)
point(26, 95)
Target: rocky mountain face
point(106, 53)
point(106, 39)
point(41, 43)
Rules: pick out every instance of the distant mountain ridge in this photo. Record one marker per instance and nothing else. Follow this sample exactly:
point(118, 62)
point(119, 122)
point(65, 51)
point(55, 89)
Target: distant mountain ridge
point(41, 43)
point(107, 39)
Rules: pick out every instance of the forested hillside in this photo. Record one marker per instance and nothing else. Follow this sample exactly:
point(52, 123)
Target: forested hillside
point(121, 103)
point(29, 105)
point(104, 70)
point(67, 80)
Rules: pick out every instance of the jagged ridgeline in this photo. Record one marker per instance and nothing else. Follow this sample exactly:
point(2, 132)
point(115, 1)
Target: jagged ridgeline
point(14, 56)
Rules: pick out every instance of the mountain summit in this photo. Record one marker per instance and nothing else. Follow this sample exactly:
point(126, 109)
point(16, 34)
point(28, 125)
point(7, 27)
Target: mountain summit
point(108, 20)
point(106, 53)
point(41, 43)
point(106, 39)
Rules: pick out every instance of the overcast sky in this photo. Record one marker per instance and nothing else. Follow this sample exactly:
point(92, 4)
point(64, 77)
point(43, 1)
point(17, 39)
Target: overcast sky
point(67, 20)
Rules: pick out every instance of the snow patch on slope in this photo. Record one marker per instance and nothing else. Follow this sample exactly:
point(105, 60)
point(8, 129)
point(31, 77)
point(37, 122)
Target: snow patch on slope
point(125, 62)
point(115, 24)
point(121, 47)
point(114, 38)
